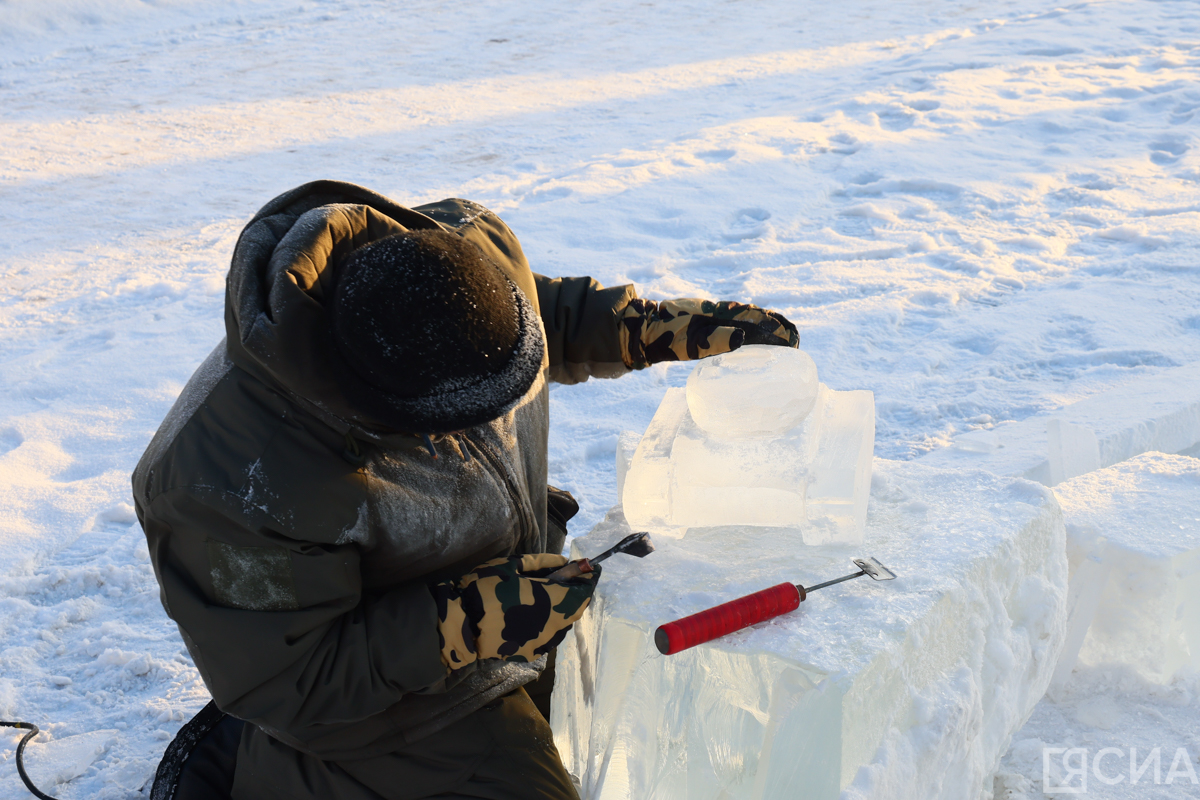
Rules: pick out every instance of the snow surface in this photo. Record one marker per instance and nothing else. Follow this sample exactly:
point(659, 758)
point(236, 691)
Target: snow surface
point(979, 212)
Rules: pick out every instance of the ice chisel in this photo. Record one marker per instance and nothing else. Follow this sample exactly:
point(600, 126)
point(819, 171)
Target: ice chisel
point(635, 544)
point(717, 621)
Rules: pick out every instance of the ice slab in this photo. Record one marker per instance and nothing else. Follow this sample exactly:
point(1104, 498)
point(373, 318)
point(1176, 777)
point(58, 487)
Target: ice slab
point(627, 444)
point(755, 439)
point(1153, 413)
point(63, 760)
point(757, 391)
point(1071, 450)
point(910, 688)
point(1133, 544)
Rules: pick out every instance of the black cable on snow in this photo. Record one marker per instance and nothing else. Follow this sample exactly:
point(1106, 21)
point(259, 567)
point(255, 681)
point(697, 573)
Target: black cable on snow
point(33, 731)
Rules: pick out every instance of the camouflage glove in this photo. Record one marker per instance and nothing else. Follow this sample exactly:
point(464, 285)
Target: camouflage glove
point(684, 330)
point(509, 609)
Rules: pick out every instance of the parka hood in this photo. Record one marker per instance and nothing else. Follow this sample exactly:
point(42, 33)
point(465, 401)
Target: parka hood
point(284, 272)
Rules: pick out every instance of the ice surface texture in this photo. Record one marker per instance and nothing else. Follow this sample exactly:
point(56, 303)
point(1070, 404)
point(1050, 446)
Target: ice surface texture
point(756, 391)
point(1133, 542)
point(755, 439)
point(910, 688)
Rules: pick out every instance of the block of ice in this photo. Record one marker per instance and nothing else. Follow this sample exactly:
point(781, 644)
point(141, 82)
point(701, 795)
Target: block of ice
point(1071, 450)
point(759, 391)
point(977, 441)
point(1089, 572)
point(627, 443)
point(1134, 547)
point(905, 689)
point(1159, 412)
point(755, 439)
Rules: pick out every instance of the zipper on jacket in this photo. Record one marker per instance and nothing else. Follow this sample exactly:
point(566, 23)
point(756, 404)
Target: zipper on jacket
point(524, 511)
point(353, 452)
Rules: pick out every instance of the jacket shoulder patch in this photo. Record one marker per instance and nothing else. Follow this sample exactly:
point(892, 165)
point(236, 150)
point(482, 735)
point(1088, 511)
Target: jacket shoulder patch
point(252, 578)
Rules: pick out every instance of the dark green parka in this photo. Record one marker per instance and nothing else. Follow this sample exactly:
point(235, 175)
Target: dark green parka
point(294, 545)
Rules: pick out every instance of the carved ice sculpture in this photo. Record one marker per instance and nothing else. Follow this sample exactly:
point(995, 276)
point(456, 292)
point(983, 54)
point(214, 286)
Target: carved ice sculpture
point(755, 439)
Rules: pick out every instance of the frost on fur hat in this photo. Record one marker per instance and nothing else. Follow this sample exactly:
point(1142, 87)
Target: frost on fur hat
point(430, 321)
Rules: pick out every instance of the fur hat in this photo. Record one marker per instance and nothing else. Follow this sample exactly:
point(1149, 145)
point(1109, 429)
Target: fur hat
point(428, 319)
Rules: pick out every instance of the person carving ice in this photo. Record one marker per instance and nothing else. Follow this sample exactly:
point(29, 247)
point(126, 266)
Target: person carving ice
point(347, 508)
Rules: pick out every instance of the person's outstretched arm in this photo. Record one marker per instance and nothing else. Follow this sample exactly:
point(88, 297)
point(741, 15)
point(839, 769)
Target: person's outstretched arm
point(594, 331)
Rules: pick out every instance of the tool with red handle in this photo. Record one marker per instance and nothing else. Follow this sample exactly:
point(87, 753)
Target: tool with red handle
point(717, 621)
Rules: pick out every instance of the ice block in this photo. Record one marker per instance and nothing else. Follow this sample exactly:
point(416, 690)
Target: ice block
point(1150, 413)
point(757, 391)
point(756, 439)
point(1072, 450)
point(909, 689)
point(627, 443)
point(1133, 532)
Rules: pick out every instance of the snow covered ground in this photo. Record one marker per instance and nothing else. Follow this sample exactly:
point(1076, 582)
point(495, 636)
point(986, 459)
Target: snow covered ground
point(978, 211)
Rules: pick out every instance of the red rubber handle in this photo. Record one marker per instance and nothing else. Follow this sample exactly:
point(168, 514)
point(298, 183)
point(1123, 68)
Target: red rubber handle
point(717, 621)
